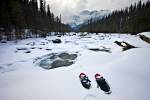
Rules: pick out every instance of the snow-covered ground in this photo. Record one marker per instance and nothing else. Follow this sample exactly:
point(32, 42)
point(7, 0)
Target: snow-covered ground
point(128, 72)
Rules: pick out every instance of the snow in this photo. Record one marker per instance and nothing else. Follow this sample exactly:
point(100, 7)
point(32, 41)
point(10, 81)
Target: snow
point(127, 72)
point(86, 15)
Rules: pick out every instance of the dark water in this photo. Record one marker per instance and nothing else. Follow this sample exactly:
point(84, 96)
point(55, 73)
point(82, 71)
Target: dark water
point(56, 60)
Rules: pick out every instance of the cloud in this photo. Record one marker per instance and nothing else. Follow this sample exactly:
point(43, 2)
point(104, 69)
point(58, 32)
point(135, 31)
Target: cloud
point(67, 8)
point(110, 4)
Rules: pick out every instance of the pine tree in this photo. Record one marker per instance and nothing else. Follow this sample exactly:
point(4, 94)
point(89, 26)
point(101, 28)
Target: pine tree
point(24, 14)
point(26, 2)
point(60, 25)
point(48, 11)
point(42, 6)
point(133, 19)
point(139, 5)
point(35, 4)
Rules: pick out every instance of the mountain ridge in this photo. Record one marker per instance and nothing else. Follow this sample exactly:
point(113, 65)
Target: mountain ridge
point(85, 15)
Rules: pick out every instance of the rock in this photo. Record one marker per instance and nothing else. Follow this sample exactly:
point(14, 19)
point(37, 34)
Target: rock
point(27, 51)
point(22, 48)
point(97, 49)
point(33, 48)
point(128, 46)
point(40, 48)
point(3, 41)
point(119, 43)
point(48, 49)
point(125, 45)
point(56, 41)
point(59, 36)
point(74, 33)
point(144, 38)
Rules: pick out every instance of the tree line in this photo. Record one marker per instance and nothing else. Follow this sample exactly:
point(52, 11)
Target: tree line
point(132, 19)
point(18, 15)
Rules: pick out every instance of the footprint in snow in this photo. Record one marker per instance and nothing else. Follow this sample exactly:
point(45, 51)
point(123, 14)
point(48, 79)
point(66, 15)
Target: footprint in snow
point(90, 97)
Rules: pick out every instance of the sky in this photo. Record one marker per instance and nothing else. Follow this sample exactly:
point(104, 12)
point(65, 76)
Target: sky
point(68, 8)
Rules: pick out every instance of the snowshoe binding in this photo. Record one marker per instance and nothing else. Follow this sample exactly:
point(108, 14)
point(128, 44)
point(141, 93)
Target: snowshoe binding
point(103, 84)
point(86, 83)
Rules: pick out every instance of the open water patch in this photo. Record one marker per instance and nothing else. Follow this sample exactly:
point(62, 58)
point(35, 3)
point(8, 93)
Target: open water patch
point(56, 60)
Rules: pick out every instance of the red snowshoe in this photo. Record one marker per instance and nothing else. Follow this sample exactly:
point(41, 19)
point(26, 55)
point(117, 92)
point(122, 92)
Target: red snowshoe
point(86, 83)
point(103, 84)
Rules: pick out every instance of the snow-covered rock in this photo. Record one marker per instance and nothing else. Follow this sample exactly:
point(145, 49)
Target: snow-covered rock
point(147, 34)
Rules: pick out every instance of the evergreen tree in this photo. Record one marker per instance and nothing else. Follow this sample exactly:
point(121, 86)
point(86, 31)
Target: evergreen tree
point(133, 19)
point(26, 2)
point(42, 6)
point(48, 11)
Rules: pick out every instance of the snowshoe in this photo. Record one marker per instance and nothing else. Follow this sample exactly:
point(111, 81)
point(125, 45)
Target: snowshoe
point(103, 84)
point(86, 83)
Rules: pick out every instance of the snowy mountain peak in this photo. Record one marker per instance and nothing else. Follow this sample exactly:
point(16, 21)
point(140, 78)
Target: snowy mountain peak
point(85, 15)
point(85, 12)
